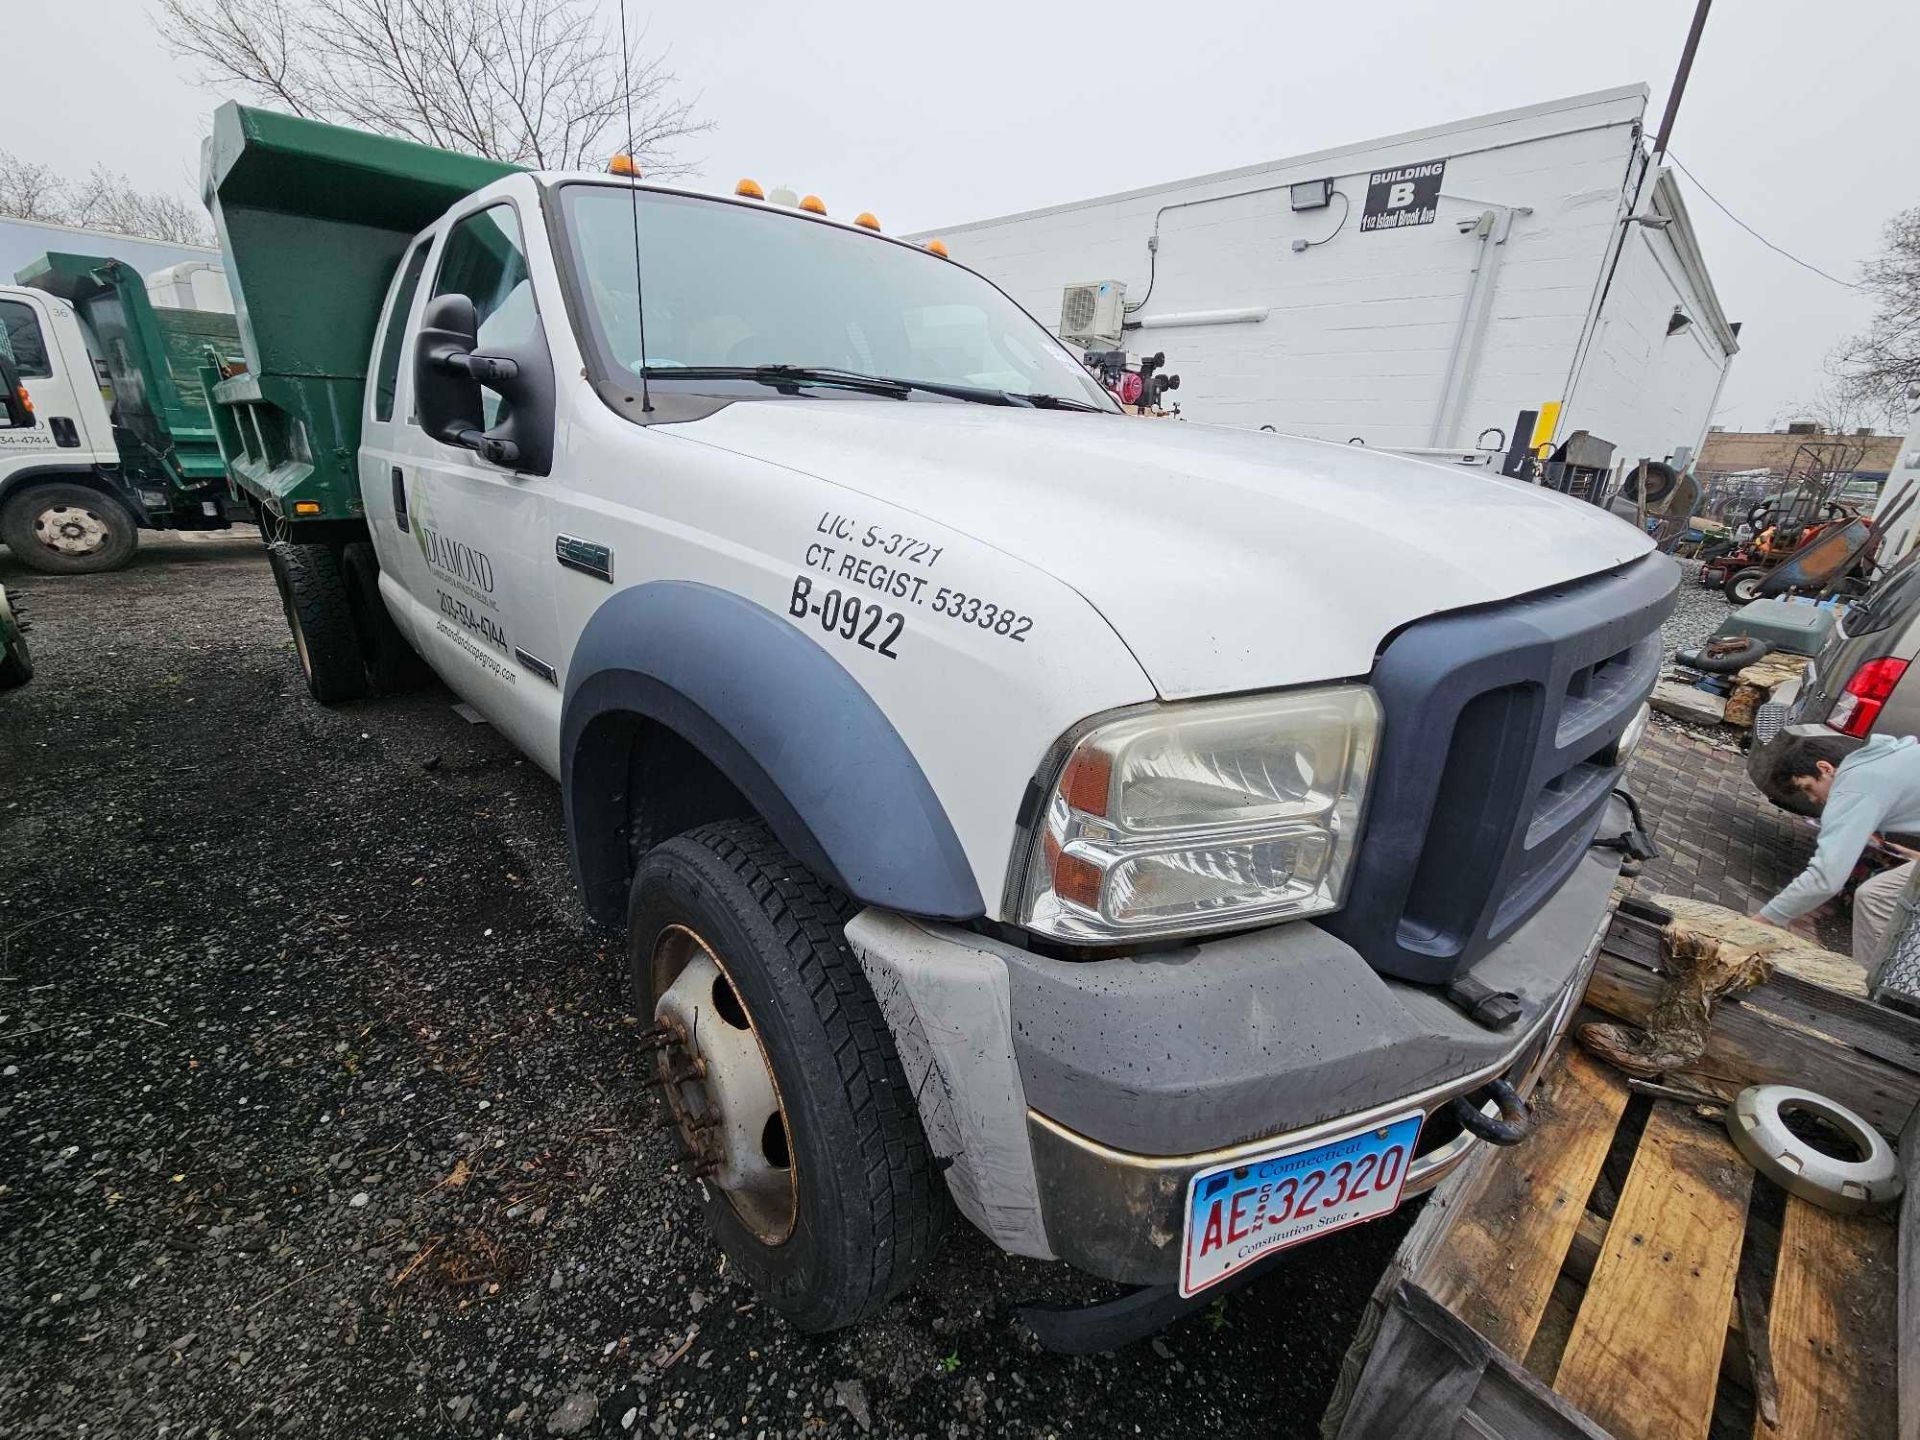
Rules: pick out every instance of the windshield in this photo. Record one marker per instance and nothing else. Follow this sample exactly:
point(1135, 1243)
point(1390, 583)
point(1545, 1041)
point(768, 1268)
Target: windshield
point(735, 286)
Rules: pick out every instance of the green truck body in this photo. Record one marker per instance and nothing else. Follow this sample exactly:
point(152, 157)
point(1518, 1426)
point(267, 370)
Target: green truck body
point(313, 219)
point(153, 356)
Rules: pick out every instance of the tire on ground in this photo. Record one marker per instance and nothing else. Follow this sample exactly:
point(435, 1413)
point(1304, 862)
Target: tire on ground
point(314, 597)
point(1729, 662)
point(392, 664)
point(66, 528)
point(871, 1205)
point(1743, 586)
point(16, 660)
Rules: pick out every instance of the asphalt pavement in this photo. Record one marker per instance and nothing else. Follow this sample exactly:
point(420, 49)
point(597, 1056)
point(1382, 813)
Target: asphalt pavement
point(320, 1114)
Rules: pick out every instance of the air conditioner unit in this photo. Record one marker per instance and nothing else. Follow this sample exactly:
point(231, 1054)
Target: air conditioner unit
point(1091, 314)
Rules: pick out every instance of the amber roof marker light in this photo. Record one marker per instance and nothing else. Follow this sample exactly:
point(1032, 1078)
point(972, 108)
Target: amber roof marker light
point(623, 165)
point(938, 247)
point(813, 205)
point(750, 190)
point(867, 220)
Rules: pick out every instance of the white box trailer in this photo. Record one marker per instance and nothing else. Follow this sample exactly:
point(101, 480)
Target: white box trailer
point(1412, 292)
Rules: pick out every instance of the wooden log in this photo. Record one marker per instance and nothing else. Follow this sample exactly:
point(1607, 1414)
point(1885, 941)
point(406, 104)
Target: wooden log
point(1775, 669)
point(1750, 1045)
point(1833, 1326)
point(1741, 704)
point(1497, 1267)
point(1644, 1356)
point(1789, 995)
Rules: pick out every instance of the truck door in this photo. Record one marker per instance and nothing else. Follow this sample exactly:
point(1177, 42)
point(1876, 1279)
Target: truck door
point(482, 533)
point(391, 452)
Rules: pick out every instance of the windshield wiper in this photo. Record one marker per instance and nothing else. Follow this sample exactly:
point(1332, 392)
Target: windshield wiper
point(787, 377)
point(783, 377)
point(1061, 402)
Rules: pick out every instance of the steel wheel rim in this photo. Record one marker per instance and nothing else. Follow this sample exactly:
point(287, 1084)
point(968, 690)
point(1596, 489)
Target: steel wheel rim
point(71, 530)
point(719, 1083)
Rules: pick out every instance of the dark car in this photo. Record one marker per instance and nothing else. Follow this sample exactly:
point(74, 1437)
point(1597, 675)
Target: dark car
point(1859, 682)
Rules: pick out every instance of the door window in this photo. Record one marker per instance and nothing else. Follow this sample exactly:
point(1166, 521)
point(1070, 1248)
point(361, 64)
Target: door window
point(387, 378)
point(20, 333)
point(485, 261)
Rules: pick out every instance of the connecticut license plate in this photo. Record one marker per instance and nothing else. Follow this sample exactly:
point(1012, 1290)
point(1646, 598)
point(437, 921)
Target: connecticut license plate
point(1237, 1214)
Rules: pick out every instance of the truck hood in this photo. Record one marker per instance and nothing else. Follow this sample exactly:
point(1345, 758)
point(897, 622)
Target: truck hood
point(1224, 559)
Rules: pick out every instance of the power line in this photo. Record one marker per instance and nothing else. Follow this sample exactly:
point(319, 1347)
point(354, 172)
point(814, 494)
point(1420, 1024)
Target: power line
point(1847, 284)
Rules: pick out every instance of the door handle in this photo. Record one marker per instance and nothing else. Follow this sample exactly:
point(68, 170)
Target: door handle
point(400, 500)
point(65, 434)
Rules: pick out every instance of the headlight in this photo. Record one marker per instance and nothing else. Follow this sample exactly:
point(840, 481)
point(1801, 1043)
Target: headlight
point(1201, 816)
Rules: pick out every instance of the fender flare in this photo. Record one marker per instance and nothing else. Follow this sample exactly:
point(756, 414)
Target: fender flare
point(779, 717)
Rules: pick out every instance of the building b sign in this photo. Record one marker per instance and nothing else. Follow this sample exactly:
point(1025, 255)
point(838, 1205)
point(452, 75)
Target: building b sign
point(1409, 195)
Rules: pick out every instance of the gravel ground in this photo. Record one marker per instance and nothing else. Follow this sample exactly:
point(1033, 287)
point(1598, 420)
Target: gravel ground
point(1697, 611)
point(318, 1106)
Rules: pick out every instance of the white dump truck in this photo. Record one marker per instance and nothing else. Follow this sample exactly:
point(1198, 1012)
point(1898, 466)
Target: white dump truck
point(108, 433)
point(1164, 844)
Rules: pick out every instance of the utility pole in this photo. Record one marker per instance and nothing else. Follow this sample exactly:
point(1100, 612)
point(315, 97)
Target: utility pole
point(1680, 79)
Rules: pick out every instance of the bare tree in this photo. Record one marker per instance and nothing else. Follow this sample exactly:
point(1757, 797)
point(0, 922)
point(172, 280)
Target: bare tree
point(30, 191)
point(104, 200)
point(533, 82)
point(1875, 370)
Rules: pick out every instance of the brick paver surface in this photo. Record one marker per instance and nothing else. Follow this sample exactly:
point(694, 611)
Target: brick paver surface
point(1719, 838)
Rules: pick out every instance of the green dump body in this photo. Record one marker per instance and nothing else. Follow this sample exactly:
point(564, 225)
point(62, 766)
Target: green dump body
point(153, 356)
point(313, 218)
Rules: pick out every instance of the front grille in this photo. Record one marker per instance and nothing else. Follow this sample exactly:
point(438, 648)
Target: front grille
point(1497, 756)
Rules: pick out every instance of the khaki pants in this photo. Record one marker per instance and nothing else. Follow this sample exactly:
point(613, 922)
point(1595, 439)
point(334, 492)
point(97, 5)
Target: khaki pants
point(1875, 904)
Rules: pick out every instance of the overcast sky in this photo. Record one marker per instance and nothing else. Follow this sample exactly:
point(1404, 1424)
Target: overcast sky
point(1799, 117)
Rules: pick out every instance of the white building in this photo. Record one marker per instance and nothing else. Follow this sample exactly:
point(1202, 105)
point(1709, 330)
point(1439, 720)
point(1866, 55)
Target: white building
point(1412, 292)
point(189, 277)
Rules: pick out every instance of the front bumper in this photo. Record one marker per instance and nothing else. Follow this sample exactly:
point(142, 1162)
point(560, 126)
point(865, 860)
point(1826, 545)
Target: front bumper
point(1074, 1101)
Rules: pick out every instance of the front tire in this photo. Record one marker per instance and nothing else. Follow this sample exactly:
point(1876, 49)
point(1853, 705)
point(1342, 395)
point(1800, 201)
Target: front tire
point(830, 1203)
point(314, 596)
point(65, 528)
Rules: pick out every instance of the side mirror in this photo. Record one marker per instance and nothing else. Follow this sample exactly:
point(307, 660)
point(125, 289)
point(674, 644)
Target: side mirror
point(445, 392)
point(448, 375)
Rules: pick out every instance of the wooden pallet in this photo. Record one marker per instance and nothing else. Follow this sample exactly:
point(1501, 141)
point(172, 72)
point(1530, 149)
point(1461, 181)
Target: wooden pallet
point(1625, 1273)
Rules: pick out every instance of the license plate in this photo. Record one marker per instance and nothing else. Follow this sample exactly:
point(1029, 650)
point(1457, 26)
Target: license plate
point(1237, 1214)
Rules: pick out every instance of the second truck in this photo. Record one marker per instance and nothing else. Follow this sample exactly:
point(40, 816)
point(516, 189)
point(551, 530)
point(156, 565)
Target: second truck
point(1163, 844)
point(110, 432)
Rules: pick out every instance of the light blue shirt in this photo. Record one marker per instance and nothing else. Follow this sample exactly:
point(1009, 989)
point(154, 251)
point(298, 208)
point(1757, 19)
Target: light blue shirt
point(1876, 788)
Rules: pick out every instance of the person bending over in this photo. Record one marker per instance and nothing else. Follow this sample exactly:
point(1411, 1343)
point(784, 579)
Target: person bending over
point(1857, 789)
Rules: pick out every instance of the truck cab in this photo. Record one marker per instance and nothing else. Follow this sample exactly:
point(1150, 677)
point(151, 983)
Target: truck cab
point(1161, 844)
point(66, 440)
point(120, 439)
